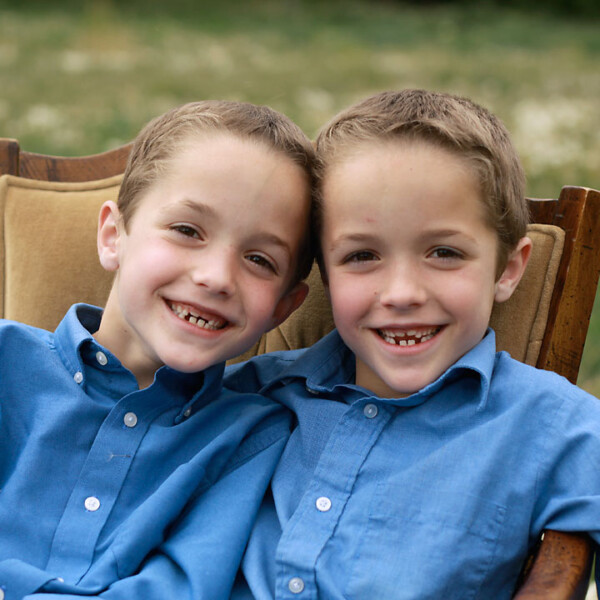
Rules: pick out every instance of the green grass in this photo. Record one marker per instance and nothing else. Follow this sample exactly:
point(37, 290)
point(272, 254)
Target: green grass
point(82, 77)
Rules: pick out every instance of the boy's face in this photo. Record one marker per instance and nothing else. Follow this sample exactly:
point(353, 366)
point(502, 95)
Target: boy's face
point(206, 263)
point(410, 263)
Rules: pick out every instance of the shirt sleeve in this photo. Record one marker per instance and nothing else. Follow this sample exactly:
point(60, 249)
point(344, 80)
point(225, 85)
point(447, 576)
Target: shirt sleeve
point(198, 558)
point(569, 497)
point(19, 579)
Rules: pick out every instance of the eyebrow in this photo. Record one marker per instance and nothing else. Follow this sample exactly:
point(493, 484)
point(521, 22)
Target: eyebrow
point(351, 237)
point(271, 238)
point(199, 207)
point(442, 233)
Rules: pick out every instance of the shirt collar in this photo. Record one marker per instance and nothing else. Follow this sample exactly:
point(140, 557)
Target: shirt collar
point(75, 330)
point(330, 363)
point(76, 345)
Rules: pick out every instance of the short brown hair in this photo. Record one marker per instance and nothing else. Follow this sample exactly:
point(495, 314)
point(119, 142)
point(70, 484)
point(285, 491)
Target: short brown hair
point(450, 122)
point(157, 143)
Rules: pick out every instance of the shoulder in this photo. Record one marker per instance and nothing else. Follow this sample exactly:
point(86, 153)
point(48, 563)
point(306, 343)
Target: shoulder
point(544, 390)
point(253, 374)
point(13, 332)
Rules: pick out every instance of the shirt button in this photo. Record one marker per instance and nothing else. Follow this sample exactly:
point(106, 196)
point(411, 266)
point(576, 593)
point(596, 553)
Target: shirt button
point(92, 504)
point(323, 504)
point(78, 377)
point(296, 585)
point(187, 412)
point(130, 419)
point(101, 358)
point(370, 411)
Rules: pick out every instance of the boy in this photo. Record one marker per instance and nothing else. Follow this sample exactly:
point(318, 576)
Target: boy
point(125, 470)
point(424, 464)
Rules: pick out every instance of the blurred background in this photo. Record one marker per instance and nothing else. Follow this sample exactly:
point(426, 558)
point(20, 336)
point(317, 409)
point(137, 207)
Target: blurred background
point(80, 77)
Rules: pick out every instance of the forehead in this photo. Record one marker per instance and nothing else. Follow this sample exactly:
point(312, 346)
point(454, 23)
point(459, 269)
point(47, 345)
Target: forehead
point(398, 157)
point(232, 179)
point(224, 151)
point(398, 180)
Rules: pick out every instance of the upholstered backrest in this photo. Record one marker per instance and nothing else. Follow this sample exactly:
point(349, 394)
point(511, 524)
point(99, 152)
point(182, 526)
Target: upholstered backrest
point(48, 261)
point(48, 256)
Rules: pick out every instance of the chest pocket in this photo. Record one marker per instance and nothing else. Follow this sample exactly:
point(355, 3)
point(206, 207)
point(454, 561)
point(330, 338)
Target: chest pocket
point(425, 543)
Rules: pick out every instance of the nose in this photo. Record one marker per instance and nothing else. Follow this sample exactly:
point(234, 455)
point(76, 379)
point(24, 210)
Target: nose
point(403, 287)
point(215, 271)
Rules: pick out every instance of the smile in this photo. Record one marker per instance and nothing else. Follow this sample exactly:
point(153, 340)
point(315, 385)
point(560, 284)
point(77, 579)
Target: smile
point(409, 337)
point(212, 322)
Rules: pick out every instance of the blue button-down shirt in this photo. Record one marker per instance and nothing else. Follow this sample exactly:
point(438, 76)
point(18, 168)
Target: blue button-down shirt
point(438, 495)
point(112, 491)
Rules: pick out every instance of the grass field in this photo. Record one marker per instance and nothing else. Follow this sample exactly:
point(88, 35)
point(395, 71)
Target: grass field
point(82, 77)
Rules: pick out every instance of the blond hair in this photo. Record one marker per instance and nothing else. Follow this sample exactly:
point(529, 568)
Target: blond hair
point(159, 141)
point(447, 121)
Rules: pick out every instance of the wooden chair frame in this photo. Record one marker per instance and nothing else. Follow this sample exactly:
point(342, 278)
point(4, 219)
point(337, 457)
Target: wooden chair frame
point(561, 567)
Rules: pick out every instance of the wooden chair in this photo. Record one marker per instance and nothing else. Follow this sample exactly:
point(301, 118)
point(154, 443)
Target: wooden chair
point(552, 309)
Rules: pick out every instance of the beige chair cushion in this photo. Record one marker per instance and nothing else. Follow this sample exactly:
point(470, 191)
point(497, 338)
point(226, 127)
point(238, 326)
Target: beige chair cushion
point(48, 256)
point(519, 322)
point(48, 261)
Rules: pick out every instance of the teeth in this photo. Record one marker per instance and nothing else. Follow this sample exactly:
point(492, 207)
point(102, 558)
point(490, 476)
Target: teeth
point(191, 317)
point(414, 336)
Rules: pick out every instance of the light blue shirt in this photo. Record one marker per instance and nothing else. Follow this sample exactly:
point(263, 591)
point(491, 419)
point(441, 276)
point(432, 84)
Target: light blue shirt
point(111, 491)
point(438, 495)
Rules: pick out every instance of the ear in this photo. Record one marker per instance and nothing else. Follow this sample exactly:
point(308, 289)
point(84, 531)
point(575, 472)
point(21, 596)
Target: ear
point(109, 234)
point(289, 303)
point(515, 267)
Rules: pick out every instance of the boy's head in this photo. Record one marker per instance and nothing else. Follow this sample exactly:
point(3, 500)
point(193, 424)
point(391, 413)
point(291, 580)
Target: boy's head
point(452, 123)
point(422, 223)
point(159, 142)
point(209, 238)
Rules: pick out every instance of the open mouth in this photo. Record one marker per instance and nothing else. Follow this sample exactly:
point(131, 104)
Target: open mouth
point(203, 321)
point(408, 337)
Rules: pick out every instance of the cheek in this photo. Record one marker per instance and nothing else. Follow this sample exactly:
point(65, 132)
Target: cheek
point(470, 299)
point(349, 298)
point(259, 297)
point(157, 255)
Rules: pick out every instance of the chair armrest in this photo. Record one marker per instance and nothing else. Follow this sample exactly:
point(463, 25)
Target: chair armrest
point(561, 569)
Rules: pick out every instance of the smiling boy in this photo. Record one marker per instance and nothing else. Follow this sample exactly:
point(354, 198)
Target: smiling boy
point(411, 272)
point(209, 264)
point(424, 464)
point(126, 471)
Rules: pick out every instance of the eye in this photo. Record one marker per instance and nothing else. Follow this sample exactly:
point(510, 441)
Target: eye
point(361, 256)
point(262, 262)
point(446, 253)
point(186, 230)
